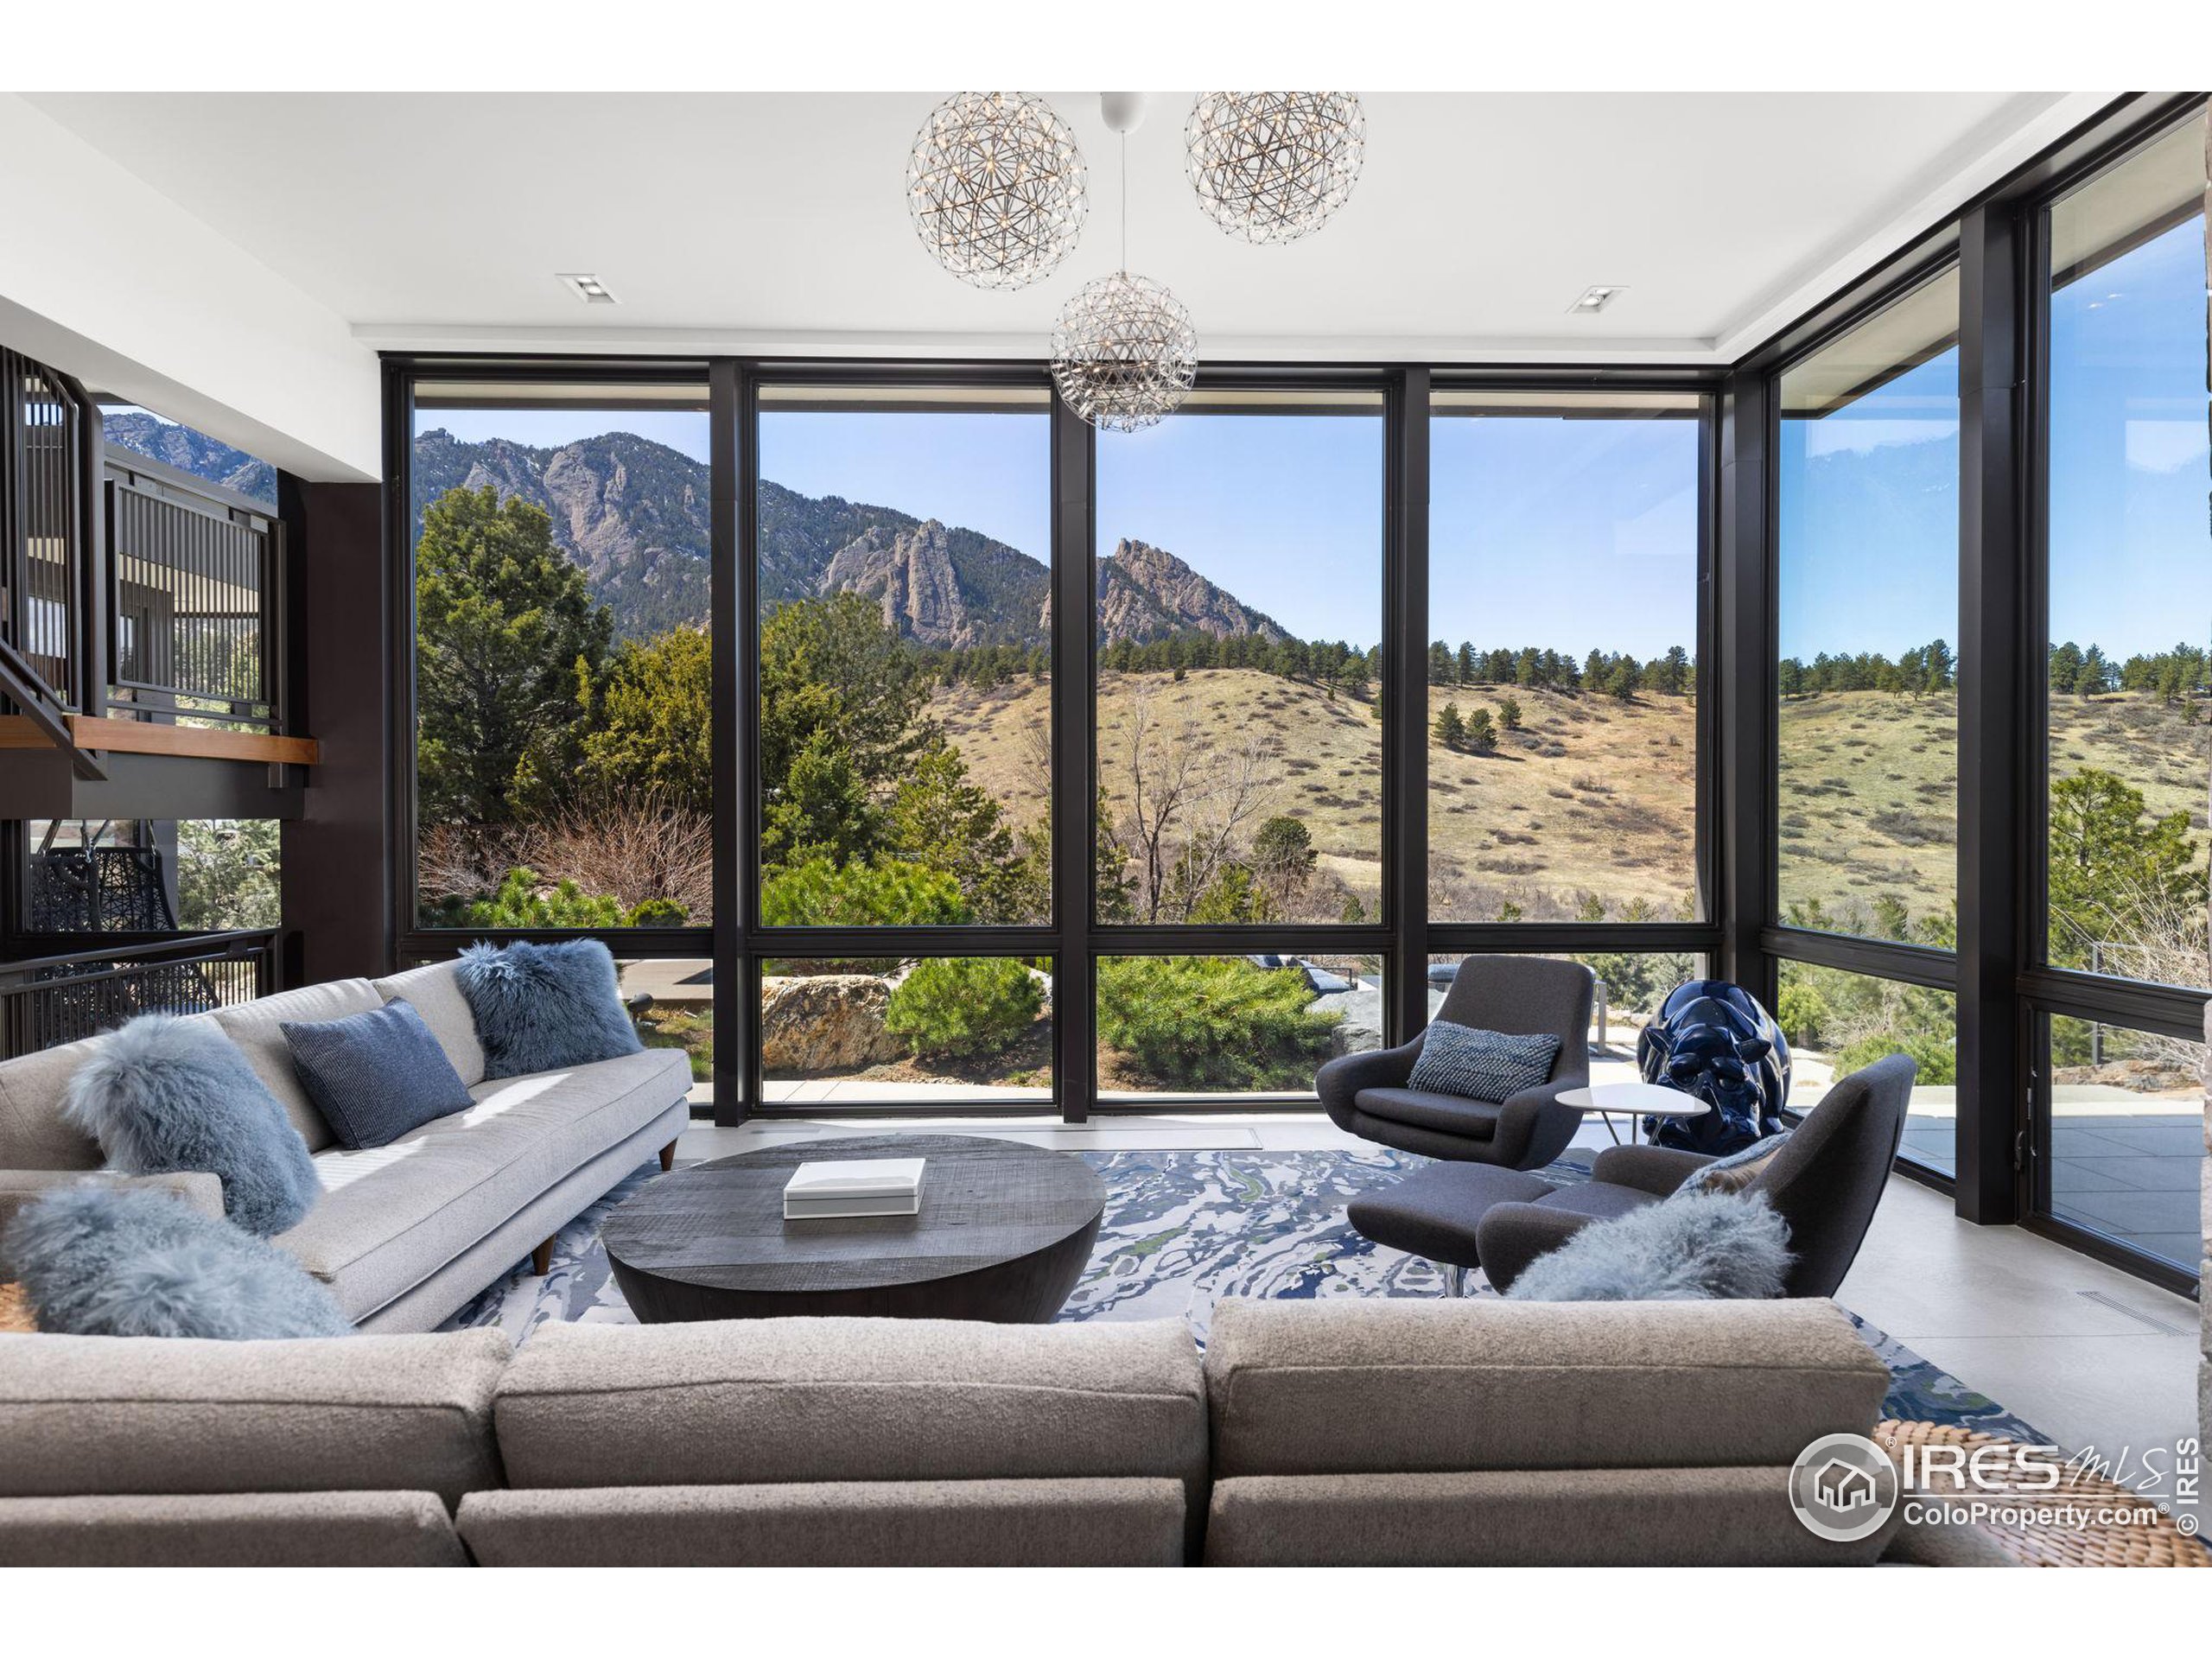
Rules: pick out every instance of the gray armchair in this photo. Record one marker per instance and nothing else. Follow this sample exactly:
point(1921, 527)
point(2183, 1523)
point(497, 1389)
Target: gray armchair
point(1366, 1094)
point(1825, 1182)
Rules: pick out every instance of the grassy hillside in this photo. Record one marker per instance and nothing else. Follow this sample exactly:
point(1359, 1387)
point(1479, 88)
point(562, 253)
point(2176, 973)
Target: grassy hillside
point(1869, 792)
point(1592, 798)
point(1518, 827)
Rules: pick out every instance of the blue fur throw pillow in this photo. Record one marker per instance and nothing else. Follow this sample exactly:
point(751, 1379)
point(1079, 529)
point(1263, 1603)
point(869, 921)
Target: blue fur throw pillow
point(105, 1262)
point(541, 1007)
point(166, 1094)
point(1693, 1247)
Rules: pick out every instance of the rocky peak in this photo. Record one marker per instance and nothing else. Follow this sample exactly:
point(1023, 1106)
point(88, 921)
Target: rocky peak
point(910, 572)
point(1145, 593)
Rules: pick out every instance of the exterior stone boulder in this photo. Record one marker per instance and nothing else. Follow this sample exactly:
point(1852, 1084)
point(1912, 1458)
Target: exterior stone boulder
point(825, 1022)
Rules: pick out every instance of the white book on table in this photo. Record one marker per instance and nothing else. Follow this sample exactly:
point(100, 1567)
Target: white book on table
point(854, 1186)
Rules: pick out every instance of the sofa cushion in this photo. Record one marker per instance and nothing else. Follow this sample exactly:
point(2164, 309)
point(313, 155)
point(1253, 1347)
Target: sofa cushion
point(230, 1529)
point(33, 1133)
point(375, 1075)
point(435, 994)
point(258, 1028)
point(85, 1415)
point(391, 1215)
point(1492, 1517)
point(1391, 1386)
point(1092, 1522)
point(764, 1401)
point(1475, 1119)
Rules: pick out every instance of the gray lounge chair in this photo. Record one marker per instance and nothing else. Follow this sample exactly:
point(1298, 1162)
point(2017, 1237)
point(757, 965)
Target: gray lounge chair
point(1367, 1094)
point(1826, 1183)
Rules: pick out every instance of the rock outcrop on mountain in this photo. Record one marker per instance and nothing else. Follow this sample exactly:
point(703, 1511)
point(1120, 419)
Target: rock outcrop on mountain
point(191, 452)
point(634, 514)
point(917, 576)
point(1145, 593)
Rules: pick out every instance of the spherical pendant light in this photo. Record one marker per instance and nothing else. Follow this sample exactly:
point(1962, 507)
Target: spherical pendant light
point(1272, 167)
point(1124, 353)
point(995, 187)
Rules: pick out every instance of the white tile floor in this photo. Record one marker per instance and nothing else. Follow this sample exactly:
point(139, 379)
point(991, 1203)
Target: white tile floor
point(2089, 1355)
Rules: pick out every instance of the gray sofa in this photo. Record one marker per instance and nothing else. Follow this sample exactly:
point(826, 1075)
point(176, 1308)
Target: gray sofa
point(1313, 1433)
point(403, 1234)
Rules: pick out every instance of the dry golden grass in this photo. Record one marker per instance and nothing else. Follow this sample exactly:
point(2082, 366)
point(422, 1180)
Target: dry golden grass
point(1869, 786)
point(1592, 798)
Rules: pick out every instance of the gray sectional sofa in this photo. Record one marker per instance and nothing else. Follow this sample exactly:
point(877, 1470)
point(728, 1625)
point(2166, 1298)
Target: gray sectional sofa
point(403, 1234)
point(1477, 1433)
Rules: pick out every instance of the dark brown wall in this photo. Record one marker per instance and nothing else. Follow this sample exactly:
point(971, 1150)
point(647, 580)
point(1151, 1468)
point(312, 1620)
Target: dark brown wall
point(338, 903)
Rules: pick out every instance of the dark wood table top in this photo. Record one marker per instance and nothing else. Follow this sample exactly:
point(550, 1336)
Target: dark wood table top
point(984, 1202)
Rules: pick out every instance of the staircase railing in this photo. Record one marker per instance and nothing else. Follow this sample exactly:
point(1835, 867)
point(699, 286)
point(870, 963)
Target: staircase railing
point(48, 1000)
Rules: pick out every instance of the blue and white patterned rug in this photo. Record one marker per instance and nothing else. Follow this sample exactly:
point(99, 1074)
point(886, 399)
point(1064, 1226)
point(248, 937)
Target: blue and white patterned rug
point(1184, 1228)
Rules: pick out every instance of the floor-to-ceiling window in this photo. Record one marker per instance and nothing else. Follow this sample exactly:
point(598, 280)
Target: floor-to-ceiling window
point(1866, 719)
point(1237, 696)
point(904, 777)
point(1564, 713)
point(563, 729)
point(2126, 605)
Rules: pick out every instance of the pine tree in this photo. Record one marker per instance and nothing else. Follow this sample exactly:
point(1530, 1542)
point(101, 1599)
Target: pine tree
point(1482, 735)
point(508, 642)
point(1450, 729)
point(1509, 714)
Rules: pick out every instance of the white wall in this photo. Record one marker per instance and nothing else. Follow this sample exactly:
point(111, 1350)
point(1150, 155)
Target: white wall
point(108, 280)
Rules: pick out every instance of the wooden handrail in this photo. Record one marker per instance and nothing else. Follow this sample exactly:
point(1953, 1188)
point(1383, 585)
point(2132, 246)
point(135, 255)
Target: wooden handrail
point(98, 733)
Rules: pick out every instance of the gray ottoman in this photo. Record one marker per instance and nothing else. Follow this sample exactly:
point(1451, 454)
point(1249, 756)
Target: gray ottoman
point(1436, 1212)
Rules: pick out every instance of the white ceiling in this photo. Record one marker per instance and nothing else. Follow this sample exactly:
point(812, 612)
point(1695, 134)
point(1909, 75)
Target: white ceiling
point(777, 223)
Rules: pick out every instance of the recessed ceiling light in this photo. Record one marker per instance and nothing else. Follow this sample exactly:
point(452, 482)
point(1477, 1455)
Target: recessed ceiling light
point(587, 288)
point(1595, 298)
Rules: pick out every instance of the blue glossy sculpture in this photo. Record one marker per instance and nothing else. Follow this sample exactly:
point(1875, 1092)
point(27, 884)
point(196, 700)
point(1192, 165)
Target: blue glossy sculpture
point(1712, 1039)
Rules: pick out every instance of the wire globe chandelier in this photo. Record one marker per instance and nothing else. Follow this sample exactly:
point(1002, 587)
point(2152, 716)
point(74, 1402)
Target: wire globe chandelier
point(996, 188)
point(1124, 351)
point(1272, 167)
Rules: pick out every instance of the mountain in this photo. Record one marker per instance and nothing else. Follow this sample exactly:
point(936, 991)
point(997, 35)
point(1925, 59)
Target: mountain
point(1145, 593)
point(191, 452)
point(634, 515)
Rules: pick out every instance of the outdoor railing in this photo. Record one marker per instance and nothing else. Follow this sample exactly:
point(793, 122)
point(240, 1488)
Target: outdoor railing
point(48, 1000)
point(195, 594)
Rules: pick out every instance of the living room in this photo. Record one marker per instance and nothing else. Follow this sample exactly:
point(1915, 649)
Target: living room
point(896, 828)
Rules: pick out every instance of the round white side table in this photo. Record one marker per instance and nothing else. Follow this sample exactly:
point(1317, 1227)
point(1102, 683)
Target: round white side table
point(1635, 1101)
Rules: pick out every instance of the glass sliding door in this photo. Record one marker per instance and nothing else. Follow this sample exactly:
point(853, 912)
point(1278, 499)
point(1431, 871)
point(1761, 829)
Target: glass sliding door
point(2129, 555)
point(2127, 561)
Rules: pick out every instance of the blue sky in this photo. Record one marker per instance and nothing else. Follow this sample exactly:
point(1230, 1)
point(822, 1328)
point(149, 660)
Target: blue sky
point(1869, 498)
point(1576, 534)
point(1572, 535)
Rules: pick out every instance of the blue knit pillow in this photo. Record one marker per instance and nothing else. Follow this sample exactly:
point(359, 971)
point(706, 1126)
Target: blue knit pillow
point(375, 1075)
point(539, 1007)
point(97, 1261)
point(164, 1094)
point(1480, 1065)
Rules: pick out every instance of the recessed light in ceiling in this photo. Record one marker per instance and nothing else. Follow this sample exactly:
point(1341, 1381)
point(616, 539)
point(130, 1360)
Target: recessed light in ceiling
point(587, 288)
point(1595, 298)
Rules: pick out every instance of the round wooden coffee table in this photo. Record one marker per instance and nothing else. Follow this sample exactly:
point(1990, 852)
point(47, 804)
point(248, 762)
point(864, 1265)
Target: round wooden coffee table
point(1003, 1235)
